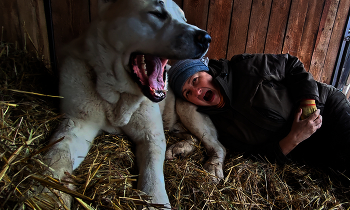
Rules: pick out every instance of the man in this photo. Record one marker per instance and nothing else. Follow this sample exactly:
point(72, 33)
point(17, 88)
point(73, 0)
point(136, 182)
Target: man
point(265, 105)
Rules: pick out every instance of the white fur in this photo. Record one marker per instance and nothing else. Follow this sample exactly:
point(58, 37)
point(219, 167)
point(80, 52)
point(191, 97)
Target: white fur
point(100, 95)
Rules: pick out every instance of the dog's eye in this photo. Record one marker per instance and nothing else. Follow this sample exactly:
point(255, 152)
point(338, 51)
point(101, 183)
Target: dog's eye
point(160, 15)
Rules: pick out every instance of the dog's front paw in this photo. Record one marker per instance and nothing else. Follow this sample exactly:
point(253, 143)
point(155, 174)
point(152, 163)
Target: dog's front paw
point(50, 194)
point(180, 149)
point(215, 168)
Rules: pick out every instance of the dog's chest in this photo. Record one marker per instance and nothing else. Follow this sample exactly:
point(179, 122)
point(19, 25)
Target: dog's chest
point(120, 113)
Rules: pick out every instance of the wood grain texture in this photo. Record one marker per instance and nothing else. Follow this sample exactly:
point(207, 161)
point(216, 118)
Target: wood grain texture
point(295, 27)
point(310, 29)
point(196, 12)
point(239, 27)
point(323, 38)
point(179, 2)
point(259, 20)
point(70, 19)
point(218, 27)
point(25, 17)
point(277, 26)
point(335, 41)
point(93, 9)
point(9, 20)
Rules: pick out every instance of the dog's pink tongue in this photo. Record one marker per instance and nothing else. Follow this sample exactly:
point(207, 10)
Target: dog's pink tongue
point(155, 68)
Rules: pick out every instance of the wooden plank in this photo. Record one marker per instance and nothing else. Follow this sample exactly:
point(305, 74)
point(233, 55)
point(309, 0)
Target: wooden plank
point(323, 38)
point(336, 39)
point(196, 12)
point(277, 26)
point(218, 27)
point(70, 18)
point(32, 15)
point(93, 9)
point(295, 27)
point(259, 21)
point(239, 27)
point(179, 2)
point(20, 17)
point(12, 28)
point(310, 30)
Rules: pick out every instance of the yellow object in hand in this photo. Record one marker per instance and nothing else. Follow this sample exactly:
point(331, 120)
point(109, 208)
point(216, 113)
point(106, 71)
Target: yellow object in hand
point(308, 106)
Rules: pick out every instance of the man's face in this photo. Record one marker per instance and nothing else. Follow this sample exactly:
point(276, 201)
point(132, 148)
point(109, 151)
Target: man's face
point(200, 89)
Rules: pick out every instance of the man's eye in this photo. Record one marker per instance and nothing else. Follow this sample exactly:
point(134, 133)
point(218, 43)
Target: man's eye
point(194, 80)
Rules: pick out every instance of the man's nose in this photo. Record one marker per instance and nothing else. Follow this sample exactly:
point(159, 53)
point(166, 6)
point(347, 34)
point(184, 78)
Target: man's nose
point(197, 91)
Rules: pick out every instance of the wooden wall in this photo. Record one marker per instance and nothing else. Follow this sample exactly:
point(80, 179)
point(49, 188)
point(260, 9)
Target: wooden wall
point(309, 29)
point(24, 23)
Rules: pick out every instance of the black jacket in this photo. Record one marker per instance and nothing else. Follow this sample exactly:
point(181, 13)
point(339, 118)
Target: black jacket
point(264, 91)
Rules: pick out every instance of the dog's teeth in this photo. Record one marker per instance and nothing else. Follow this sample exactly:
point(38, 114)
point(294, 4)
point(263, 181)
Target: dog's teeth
point(143, 59)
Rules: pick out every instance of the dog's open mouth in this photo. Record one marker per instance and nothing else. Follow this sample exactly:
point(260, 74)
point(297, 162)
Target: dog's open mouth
point(149, 71)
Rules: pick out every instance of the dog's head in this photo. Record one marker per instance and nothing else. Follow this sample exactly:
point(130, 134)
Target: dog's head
point(148, 33)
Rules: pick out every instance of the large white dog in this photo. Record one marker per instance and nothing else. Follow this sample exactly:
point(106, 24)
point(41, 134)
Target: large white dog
point(112, 76)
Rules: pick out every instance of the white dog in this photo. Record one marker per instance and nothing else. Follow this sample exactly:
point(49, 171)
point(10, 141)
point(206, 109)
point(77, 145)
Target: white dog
point(112, 76)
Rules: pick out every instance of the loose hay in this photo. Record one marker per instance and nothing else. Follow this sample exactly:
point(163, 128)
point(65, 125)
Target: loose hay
point(107, 177)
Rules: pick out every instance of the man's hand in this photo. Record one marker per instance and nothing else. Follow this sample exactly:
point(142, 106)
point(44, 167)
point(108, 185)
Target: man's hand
point(301, 130)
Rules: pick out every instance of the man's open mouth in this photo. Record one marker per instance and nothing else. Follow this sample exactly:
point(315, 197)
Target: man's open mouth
point(209, 95)
point(150, 76)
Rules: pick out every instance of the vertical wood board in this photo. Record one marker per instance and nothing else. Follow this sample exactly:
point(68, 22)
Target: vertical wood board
point(335, 41)
point(277, 26)
point(310, 29)
point(295, 26)
point(323, 38)
point(12, 27)
point(239, 27)
point(93, 9)
point(259, 20)
point(218, 27)
point(70, 19)
point(196, 12)
point(24, 22)
point(179, 3)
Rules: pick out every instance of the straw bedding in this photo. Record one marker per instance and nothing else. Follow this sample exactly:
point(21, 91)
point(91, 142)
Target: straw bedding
point(107, 178)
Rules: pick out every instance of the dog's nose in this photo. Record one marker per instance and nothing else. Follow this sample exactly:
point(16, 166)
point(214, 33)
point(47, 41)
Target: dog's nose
point(203, 38)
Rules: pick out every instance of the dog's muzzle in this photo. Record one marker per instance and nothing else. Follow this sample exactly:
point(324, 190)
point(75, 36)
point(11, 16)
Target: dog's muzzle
point(203, 39)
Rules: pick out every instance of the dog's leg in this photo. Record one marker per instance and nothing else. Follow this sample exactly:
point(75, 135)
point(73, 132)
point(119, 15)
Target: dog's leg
point(201, 126)
point(184, 147)
point(67, 154)
point(146, 130)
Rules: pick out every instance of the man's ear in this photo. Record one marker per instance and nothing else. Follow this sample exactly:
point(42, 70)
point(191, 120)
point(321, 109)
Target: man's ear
point(205, 60)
